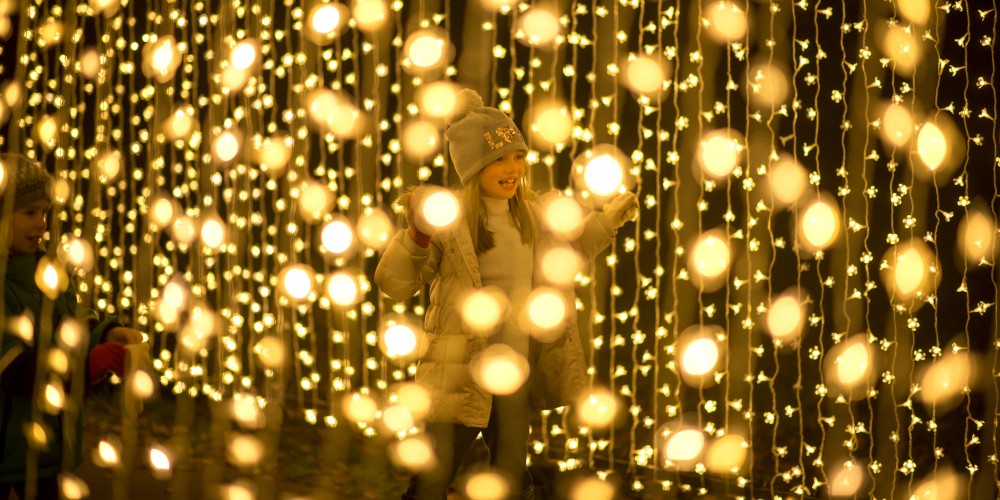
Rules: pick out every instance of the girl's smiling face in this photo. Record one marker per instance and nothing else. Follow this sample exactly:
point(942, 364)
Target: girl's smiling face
point(501, 178)
point(28, 225)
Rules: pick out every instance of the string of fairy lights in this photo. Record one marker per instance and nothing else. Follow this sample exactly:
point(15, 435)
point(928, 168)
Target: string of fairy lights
point(804, 305)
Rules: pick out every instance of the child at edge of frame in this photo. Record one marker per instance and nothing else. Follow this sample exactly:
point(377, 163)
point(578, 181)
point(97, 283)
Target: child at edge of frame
point(23, 225)
point(496, 243)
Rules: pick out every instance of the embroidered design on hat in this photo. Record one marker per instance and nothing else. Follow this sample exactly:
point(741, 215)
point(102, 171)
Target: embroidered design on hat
point(506, 135)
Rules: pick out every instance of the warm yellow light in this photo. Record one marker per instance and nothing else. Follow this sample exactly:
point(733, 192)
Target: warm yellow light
point(560, 265)
point(143, 385)
point(370, 15)
point(107, 454)
point(500, 370)
point(846, 480)
point(709, 258)
point(486, 486)
point(324, 20)
point(700, 357)
point(213, 232)
point(414, 454)
point(332, 112)
point(684, 446)
point(420, 139)
point(426, 49)
point(440, 209)
point(719, 153)
point(23, 327)
point(484, 309)
point(343, 289)
point(90, 63)
point(497, 5)
point(915, 11)
point(941, 484)
point(70, 334)
point(226, 146)
point(337, 236)
point(977, 236)
point(274, 154)
point(726, 22)
point(603, 175)
point(159, 460)
point(788, 181)
point(768, 85)
point(375, 228)
point(50, 32)
point(551, 123)
point(563, 216)
point(851, 362)
point(77, 252)
point(726, 454)
point(55, 397)
point(399, 340)
point(592, 488)
point(162, 213)
point(361, 408)
point(438, 99)
point(72, 487)
point(819, 225)
point(598, 409)
point(945, 381)
point(903, 48)
point(202, 324)
point(296, 281)
point(785, 318)
point(910, 271)
point(180, 124)
point(161, 58)
point(244, 451)
point(545, 312)
point(47, 131)
point(270, 351)
point(397, 418)
point(646, 75)
point(107, 166)
point(244, 55)
point(246, 413)
point(107, 7)
point(540, 27)
point(932, 146)
point(51, 277)
point(897, 124)
point(315, 201)
point(58, 361)
point(414, 398)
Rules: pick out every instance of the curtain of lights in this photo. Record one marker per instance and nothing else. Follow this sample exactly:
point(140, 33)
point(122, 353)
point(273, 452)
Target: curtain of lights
point(804, 305)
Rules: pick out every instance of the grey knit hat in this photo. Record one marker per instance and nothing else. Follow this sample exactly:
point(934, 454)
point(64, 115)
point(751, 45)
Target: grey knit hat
point(478, 135)
point(29, 180)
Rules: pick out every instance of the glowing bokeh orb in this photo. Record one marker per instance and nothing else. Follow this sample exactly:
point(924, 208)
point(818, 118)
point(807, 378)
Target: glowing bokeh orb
point(426, 50)
point(270, 351)
point(438, 99)
point(337, 236)
point(819, 225)
point(546, 308)
point(487, 486)
point(343, 289)
point(853, 363)
point(603, 175)
point(768, 85)
point(324, 19)
point(414, 454)
point(296, 281)
point(977, 236)
point(845, 481)
point(645, 75)
point(592, 488)
point(726, 454)
point(552, 124)
point(684, 445)
point(726, 22)
point(915, 11)
point(788, 181)
point(700, 357)
point(932, 146)
point(420, 139)
point(244, 55)
point(564, 217)
point(598, 409)
point(226, 146)
point(374, 228)
point(440, 209)
point(539, 26)
point(718, 154)
point(500, 370)
point(710, 256)
point(315, 201)
point(903, 48)
point(370, 15)
point(213, 232)
point(946, 381)
point(484, 309)
point(897, 124)
point(399, 340)
point(72, 487)
point(560, 265)
point(785, 318)
point(397, 418)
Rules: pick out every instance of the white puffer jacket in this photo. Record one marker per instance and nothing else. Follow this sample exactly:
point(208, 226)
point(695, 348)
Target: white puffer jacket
point(450, 266)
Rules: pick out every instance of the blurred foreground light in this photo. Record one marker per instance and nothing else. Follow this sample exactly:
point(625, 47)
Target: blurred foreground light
point(720, 152)
point(70, 335)
point(560, 265)
point(72, 487)
point(786, 317)
point(910, 272)
point(180, 124)
point(727, 454)
point(397, 418)
point(592, 488)
point(399, 340)
point(437, 100)
point(932, 147)
point(942, 484)
point(683, 448)
point(545, 312)
point(846, 480)
point(226, 146)
point(142, 385)
point(295, 281)
point(977, 236)
point(903, 48)
point(484, 309)
point(162, 213)
point(58, 362)
point(564, 217)
point(239, 490)
point(337, 236)
point(108, 452)
point(273, 153)
point(726, 22)
point(47, 131)
point(598, 409)
point(360, 408)
point(375, 228)
point(54, 397)
point(849, 365)
point(370, 15)
point(550, 122)
point(420, 139)
point(819, 225)
point(160, 461)
point(107, 166)
point(708, 260)
point(538, 27)
point(343, 289)
point(213, 232)
point(945, 382)
point(603, 175)
point(788, 181)
point(897, 124)
point(414, 398)
point(915, 11)
point(427, 50)
point(161, 58)
point(245, 411)
point(271, 352)
point(325, 22)
point(768, 85)
point(315, 201)
point(439, 209)
point(700, 352)
point(414, 454)
point(77, 252)
point(244, 451)
point(700, 357)
point(486, 486)
point(500, 370)
point(602, 172)
point(647, 76)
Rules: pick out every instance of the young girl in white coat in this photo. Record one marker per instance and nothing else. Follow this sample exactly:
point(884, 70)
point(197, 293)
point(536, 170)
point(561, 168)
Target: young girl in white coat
point(496, 243)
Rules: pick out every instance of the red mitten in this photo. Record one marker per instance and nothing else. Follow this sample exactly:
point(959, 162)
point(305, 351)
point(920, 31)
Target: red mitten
point(104, 358)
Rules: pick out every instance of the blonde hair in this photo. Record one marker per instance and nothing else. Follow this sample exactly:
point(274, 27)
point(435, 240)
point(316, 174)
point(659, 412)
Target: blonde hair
point(482, 239)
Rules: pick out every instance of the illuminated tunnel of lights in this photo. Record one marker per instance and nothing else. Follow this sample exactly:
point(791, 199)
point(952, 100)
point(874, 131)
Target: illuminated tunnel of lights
point(804, 306)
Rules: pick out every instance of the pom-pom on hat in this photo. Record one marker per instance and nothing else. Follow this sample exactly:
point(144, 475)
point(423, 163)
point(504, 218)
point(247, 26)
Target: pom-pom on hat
point(478, 135)
point(29, 180)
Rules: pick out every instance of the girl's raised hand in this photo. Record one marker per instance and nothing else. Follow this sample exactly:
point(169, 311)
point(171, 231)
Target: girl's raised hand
point(622, 208)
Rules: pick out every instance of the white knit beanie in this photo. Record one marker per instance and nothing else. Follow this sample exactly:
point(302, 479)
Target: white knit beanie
point(479, 135)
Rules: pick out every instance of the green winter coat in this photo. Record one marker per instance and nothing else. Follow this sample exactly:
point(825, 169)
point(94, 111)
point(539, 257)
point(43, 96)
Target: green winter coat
point(22, 296)
point(450, 266)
